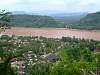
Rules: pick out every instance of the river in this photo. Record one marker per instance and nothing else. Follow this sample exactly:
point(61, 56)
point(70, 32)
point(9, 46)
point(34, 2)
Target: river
point(53, 32)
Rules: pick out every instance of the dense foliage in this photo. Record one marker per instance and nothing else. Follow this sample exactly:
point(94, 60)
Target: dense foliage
point(76, 56)
point(4, 18)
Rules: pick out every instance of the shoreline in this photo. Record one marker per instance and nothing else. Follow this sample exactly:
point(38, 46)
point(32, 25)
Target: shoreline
point(58, 28)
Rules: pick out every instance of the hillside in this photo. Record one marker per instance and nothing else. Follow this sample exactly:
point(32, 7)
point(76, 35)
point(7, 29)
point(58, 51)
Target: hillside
point(90, 21)
point(34, 21)
point(48, 56)
point(69, 18)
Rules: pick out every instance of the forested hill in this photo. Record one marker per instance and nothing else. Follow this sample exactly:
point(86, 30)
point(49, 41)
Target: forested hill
point(91, 21)
point(69, 18)
point(24, 20)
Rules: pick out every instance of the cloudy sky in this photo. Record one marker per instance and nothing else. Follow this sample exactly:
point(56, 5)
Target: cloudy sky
point(51, 6)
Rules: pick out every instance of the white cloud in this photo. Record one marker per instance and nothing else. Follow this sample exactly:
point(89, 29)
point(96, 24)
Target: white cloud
point(7, 2)
point(87, 2)
point(51, 5)
point(54, 5)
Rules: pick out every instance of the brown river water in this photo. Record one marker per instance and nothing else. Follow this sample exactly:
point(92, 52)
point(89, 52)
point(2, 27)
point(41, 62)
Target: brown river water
point(53, 32)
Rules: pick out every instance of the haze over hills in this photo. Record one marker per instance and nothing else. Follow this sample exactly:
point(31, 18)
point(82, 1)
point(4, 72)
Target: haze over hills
point(69, 14)
point(19, 12)
point(69, 17)
point(51, 13)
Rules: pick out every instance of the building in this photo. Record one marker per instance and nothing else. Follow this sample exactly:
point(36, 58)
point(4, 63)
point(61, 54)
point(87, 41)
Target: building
point(50, 57)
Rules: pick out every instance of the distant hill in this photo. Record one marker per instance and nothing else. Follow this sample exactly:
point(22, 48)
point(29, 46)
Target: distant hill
point(69, 14)
point(90, 21)
point(69, 18)
point(18, 12)
point(23, 20)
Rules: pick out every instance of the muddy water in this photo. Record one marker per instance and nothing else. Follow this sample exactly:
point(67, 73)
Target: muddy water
point(53, 32)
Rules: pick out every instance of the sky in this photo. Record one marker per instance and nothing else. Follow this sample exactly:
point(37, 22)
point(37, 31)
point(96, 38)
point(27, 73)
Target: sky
point(51, 6)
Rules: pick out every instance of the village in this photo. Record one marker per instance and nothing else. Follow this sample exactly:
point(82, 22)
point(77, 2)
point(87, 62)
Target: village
point(30, 50)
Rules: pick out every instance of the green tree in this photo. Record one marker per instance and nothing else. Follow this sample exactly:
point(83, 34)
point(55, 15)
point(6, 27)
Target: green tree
point(5, 67)
point(5, 18)
point(38, 69)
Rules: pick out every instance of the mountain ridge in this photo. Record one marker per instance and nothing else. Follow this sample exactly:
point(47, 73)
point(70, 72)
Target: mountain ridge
point(91, 21)
point(23, 20)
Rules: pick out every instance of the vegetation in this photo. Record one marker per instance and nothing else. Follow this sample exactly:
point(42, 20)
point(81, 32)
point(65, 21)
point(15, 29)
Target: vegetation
point(32, 55)
point(91, 21)
point(34, 21)
point(69, 18)
point(76, 56)
point(4, 18)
